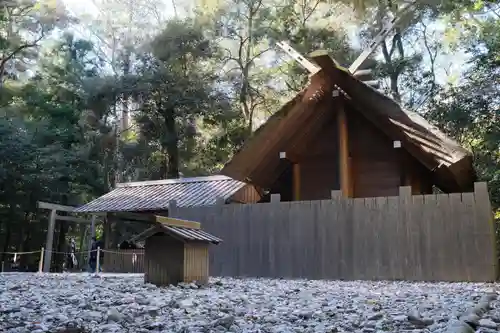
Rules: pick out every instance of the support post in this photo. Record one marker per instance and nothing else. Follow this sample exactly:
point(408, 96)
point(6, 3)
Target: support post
point(107, 230)
point(296, 182)
point(98, 260)
point(49, 242)
point(40, 263)
point(92, 235)
point(343, 153)
point(275, 198)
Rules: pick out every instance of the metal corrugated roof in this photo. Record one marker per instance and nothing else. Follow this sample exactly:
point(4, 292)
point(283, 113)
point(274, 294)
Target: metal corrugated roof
point(156, 195)
point(186, 234)
point(193, 234)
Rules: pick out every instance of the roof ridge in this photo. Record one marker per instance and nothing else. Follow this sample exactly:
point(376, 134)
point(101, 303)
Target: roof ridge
point(177, 181)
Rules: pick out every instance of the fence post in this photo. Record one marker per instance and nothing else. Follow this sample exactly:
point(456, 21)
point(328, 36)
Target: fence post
point(275, 197)
point(336, 194)
point(405, 191)
point(98, 260)
point(40, 263)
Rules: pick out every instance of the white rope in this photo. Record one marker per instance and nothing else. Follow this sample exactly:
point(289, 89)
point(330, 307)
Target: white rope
point(57, 252)
point(16, 253)
point(31, 252)
point(139, 252)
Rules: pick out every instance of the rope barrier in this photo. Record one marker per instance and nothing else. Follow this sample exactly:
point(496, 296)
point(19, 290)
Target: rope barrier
point(42, 252)
point(116, 252)
point(14, 253)
point(57, 252)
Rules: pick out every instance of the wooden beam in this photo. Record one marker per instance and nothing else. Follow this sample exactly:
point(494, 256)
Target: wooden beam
point(363, 72)
point(343, 152)
point(63, 208)
point(296, 181)
point(52, 206)
point(372, 83)
point(72, 219)
point(178, 222)
point(152, 219)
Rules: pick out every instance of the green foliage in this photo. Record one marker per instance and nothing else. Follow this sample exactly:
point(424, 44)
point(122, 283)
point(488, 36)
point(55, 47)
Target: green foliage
point(469, 112)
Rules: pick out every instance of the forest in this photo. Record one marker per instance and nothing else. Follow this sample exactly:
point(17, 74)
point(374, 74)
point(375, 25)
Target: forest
point(149, 89)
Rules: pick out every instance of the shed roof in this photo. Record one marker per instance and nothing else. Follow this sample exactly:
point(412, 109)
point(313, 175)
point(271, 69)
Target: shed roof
point(156, 195)
point(184, 234)
point(300, 118)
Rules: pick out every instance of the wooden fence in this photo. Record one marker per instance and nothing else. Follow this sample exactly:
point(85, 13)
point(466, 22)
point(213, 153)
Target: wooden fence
point(123, 261)
point(420, 237)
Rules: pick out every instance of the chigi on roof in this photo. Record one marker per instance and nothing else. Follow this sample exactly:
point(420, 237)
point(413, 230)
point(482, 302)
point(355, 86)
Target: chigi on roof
point(187, 192)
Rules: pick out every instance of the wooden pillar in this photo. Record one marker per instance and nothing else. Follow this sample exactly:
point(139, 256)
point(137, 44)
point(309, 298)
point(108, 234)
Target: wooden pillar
point(404, 175)
point(50, 241)
point(92, 233)
point(296, 182)
point(107, 231)
point(343, 152)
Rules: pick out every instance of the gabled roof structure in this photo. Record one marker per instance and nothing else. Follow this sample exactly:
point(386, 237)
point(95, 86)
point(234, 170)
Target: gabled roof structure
point(156, 195)
point(183, 234)
point(291, 128)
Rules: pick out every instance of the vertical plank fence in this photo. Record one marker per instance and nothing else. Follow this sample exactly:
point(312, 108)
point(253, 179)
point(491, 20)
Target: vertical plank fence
point(412, 237)
point(124, 261)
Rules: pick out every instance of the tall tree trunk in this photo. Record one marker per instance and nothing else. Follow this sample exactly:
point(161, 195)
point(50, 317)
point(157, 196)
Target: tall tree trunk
point(172, 145)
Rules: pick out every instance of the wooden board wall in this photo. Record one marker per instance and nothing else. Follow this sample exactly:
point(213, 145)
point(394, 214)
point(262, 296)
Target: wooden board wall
point(379, 169)
point(159, 268)
point(421, 237)
point(248, 194)
point(375, 167)
point(319, 164)
point(124, 261)
point(196, 262)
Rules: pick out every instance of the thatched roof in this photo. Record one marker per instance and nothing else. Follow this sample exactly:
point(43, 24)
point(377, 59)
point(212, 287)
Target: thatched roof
point(257, 162)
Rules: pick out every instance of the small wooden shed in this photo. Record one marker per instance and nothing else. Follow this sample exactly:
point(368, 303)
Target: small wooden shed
point(176, 251)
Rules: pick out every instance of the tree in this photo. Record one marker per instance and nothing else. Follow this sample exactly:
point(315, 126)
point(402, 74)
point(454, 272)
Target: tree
point(174, 92)
point(24, 24)
point(469, 111)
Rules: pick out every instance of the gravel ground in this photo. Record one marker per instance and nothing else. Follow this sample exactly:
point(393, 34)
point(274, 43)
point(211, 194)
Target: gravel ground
point(83, 303)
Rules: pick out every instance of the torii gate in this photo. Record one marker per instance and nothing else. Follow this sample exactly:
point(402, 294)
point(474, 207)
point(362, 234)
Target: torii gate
point(54, 208)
